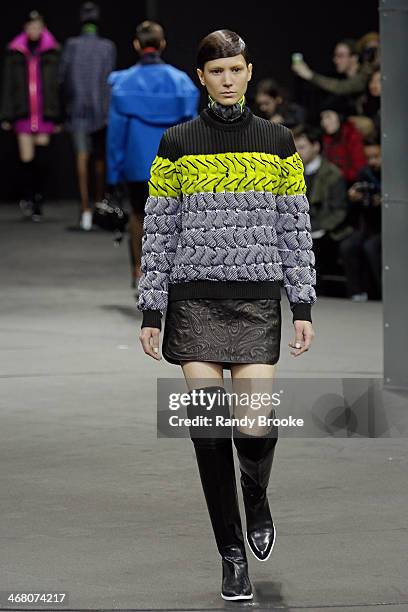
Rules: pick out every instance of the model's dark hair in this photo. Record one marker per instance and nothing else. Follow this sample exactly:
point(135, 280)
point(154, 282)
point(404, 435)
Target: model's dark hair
point(149, 34)
point(219, 44)
point(89, 13)
point(312, 133)
point(34, 16)
point(350, 43)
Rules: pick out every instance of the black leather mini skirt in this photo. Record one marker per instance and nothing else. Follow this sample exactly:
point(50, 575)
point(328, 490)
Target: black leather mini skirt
point(223, 331)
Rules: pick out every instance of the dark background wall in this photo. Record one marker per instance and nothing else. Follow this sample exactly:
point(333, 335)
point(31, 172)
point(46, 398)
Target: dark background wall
point(272, 30)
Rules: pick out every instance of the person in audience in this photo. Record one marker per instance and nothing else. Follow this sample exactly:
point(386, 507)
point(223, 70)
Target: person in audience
point(370, 103)
point(361, 252)
point(342, 142)
point(327, 195)
point(86, 62)
point(146, 99)
point(353, 75)
point(274, 105)
point(368, 47)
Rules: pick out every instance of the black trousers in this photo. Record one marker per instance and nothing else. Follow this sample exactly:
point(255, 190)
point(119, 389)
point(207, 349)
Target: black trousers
point(138, 193)
point(361, 256)
point(326, 253)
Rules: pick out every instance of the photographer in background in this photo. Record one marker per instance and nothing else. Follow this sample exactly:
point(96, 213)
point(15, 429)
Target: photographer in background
point(364, 245)
point(355, 62)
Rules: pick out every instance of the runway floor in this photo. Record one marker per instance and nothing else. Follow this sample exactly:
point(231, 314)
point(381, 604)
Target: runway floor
point(93, 504)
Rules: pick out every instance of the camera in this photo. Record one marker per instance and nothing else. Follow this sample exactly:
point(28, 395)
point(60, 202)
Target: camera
point(370, 55)
point(367, 189)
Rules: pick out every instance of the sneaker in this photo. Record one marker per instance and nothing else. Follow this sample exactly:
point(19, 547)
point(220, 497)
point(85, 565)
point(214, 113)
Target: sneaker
point(86, 221)
point(359, 297)
point(26, 207)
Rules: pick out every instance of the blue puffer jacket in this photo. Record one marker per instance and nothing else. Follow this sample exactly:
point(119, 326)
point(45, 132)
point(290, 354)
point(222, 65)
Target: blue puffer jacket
point(146, 99)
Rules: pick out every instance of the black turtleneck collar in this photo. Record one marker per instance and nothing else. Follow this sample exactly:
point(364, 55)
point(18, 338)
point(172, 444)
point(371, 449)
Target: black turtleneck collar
point(214, 120)
point(229, 113)
point(233, 117)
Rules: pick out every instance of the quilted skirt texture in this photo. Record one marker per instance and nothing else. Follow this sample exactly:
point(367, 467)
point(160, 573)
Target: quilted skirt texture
point(223, 331)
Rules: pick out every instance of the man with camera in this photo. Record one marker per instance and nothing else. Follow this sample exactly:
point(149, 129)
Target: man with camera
point(354, 64)
point(361, 252)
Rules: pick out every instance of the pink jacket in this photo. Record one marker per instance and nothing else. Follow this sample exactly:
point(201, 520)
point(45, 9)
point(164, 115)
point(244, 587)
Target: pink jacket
point(35, 123)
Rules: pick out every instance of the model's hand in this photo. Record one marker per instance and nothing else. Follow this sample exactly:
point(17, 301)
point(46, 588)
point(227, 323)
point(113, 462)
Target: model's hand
point(302, 70)
point(304, 335)
point(150, 338)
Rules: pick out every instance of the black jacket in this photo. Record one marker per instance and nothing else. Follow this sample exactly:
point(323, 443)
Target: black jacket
point(14, 102)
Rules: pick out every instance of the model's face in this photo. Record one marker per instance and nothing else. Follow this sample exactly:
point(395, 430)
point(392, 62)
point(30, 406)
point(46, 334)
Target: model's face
point(373, 155)
point(330, 121)
point(342, 58)
point(374, 85)
point(307, 150)
point(226, 79)
point(267, 104)
point(34, 29)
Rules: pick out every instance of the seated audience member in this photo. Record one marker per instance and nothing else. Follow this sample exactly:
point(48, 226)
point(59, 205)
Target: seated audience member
point(364, 125)
point(273, 104)
point(361, 252)
point(369, 105)
point(368, 48)
point(342, 142)
point(353, 75)
point(327, 195)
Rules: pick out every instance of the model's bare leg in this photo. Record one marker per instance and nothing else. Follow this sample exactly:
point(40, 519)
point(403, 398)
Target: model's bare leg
point(43, 140)
point(82, 170)
point(255, 448)
point(26, 146)
point(252, 378)
point(202, 369)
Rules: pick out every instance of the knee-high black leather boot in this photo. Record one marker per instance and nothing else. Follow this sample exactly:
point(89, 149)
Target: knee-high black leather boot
point(255, 456)
point(216, 467)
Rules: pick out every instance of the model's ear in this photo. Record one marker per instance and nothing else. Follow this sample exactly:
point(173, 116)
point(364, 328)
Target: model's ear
point(200, 74)
point(163, 44)
point(136, 45)
point(249, 72)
